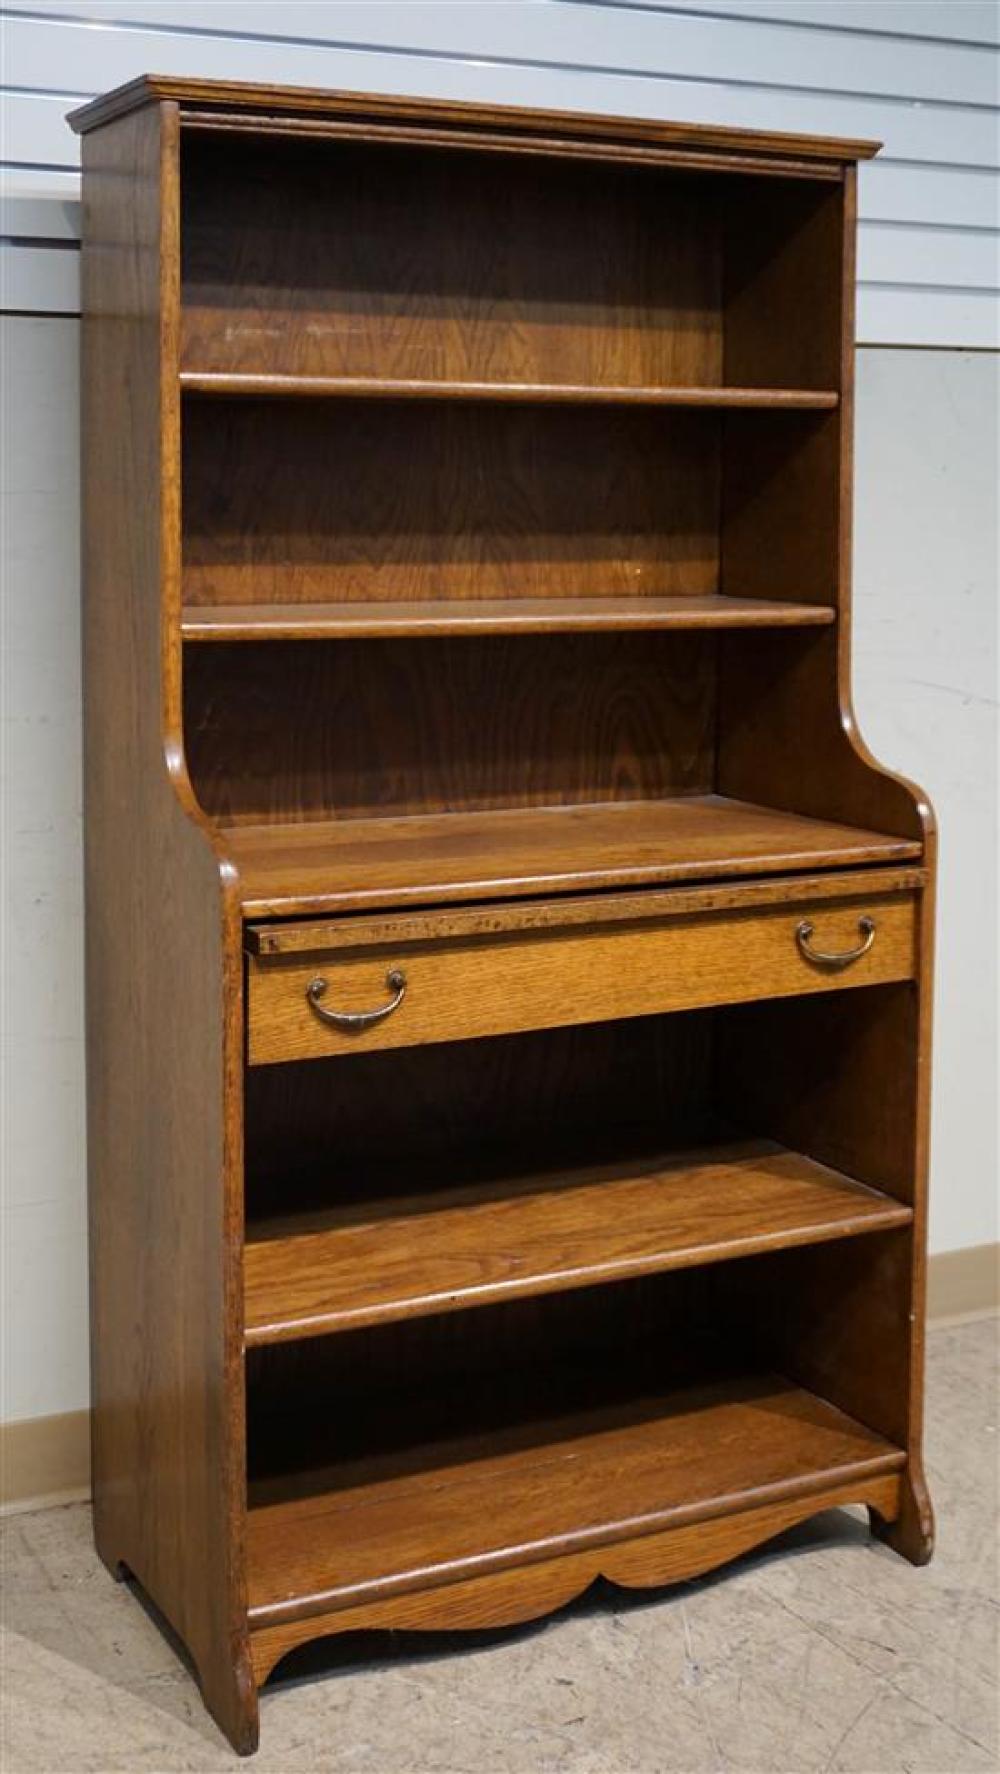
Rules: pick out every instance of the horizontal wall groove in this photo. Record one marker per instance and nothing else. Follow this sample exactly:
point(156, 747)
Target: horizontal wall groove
point(957, 166)
point(48, 244)
point(928, 227)
point(45, 92)
point(929, 205)
point(543, 64)
point(733, 15)
point(990, 292)
point(660, 8)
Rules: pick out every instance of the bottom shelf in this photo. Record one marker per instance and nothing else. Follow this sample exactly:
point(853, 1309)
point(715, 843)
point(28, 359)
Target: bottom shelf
point(467, 1504)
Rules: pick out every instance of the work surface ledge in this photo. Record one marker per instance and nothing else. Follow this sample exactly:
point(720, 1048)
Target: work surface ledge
point(288, 870)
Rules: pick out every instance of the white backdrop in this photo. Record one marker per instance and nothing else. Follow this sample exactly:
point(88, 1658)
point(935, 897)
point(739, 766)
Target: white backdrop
point(921, 76)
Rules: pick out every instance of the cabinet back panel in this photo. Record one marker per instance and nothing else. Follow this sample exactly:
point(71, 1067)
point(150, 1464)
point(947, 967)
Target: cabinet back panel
point(402, 1387)
point(349, 260)
point(361, 728)
point(312, 501)
point(384, 1125)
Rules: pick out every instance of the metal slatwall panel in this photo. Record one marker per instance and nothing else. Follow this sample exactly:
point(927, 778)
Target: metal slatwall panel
point(922, 77)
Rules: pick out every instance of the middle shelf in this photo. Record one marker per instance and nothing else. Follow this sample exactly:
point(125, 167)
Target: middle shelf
point(543, 1232)
point(369, 618)
point(274, 384)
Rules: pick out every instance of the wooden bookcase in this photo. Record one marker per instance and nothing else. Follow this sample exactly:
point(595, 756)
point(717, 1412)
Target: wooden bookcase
point(467, 553)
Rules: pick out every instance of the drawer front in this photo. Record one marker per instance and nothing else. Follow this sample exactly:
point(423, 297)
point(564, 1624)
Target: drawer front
point(458, 989)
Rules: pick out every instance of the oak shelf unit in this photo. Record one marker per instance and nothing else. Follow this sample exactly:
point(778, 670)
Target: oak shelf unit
point(508, 970)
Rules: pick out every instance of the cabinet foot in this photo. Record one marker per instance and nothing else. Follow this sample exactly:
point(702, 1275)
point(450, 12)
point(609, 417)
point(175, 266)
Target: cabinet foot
point(106, 1546)
point(226, 1681)
point(229, 1691)
point(912, 1532)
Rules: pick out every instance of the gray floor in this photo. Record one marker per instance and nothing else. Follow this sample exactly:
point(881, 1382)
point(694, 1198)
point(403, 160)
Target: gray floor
point(824, 1652)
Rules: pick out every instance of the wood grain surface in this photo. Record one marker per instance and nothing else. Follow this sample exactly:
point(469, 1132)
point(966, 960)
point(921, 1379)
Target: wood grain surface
point(544, 1232)
point(366, 729)
point(275, 385)
point(607, 278)
point(381, 268)
point(379, 1130)
point(524, 1592)
point(259, 104)
point(298, 501)
point(504, 459)
point(164, 1041)
point(570, 1482)
point(350, 864)
point(308, 936)
point(541, 979)
point(431, 617)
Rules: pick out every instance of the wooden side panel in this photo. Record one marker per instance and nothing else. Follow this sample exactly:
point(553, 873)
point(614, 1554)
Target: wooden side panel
point(781, 248)
point(787, 732)
point(833, 1076)
point(791, 738)
point(786, 741)
point(164, 1133)
point(837, 1320)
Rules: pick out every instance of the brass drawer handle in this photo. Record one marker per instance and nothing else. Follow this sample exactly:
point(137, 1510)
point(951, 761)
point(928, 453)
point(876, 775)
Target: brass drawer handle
point(822, 957)
point(355, 1020)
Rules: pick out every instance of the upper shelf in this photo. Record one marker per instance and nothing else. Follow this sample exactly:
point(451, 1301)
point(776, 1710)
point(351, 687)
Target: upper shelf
point(230, 383)
point(345, 864)
point(428, 617)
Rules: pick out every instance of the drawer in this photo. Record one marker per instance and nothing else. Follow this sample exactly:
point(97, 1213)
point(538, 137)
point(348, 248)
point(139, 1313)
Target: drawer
point(365, 985)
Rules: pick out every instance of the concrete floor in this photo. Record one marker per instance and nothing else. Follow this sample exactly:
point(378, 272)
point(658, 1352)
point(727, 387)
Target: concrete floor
point(823, 1652)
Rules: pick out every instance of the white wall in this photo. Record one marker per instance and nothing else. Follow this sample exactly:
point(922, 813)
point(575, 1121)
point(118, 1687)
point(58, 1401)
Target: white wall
point(927, 474)
point(920, 75)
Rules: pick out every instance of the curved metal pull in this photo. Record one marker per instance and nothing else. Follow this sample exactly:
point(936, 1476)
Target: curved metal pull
point(355, 1020)
point(822, 957)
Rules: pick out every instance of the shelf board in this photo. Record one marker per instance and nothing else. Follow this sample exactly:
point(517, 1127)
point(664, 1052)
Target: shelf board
point(229, 383)
point(542, 1233)
point(479, 616)
point(341, 865)
point(413, 1518)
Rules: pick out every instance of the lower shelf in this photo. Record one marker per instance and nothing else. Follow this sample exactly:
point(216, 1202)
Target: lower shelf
point(466, 1506)
point(512, 1233)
